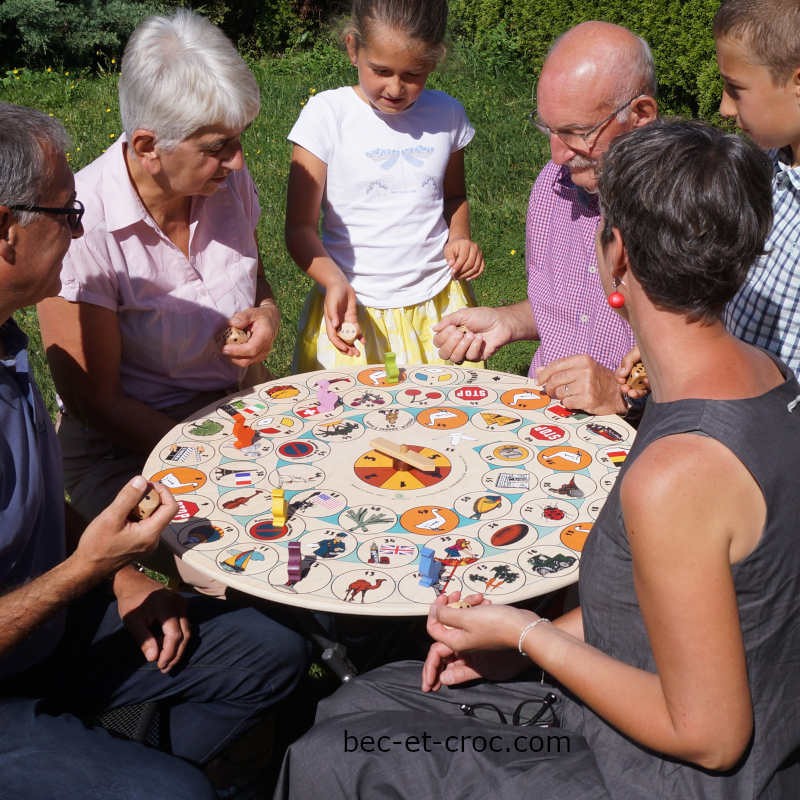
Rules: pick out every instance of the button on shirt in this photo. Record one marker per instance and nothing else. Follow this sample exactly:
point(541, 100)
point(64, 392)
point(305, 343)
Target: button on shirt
point(766, 309)
point(569, 305)
point(31, 493)
point(169, 307)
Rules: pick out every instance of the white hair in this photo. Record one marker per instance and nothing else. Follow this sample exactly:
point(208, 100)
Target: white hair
point(181, 73)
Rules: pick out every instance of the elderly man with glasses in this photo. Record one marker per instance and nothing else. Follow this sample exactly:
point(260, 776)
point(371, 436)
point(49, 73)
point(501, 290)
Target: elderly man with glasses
point(597, 82)
point(81, 629)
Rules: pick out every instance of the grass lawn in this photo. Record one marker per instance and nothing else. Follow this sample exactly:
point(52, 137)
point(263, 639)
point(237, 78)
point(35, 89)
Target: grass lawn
point(501, 164)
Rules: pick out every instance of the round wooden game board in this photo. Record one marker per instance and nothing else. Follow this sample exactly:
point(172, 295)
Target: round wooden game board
point(518, 483)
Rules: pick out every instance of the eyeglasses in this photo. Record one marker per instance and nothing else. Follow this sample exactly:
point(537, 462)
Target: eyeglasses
point(73, 213)
point(579, 140)
point(533, 711)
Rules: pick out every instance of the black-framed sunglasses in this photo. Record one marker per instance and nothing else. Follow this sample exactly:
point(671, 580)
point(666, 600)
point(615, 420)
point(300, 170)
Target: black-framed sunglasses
point(73, 213)
point(579, 140)
point(537, 711)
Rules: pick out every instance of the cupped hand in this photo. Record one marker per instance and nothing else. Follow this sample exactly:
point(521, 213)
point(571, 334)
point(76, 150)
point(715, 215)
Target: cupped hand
point(339, 306)
point(112, 539)
point(155, 617)
point(465, 259)
point(262, 323)
point(579, 382)
point(470, 334)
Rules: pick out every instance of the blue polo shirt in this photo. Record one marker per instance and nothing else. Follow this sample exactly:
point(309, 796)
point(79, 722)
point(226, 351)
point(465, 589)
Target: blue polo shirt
point(32, 538)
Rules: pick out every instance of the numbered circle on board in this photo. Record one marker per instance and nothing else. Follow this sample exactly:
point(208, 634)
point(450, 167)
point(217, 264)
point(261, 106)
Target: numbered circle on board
point(434, 376)
point(284, 393)
point(429, 520)
point(259, 448)
point(247, 560)
point(328, 543)
point(454, 551)
point(547, 511)
point(376, 376)
point(574, 536)
point(575, 486)
point(317, 503)
point(389, 419)
point(191, 506)
point(544, 434)
point(309, 450)
point(368, 518)
point(419, 397)
point(493, 578)
point(506, 453)
point(564, 457)
point(598, 433)
point(186, 453)
point(180, 480)
point(315, 575)
point(480, 506)
point(508, 534)
point(207, 534)
point(613, 456)
point(363, 586)
point(264, 529)
point(244, 474)
point(474, 396)
point(496, 420)
point(293, 477)
point(548, 561)
point(525, 398)
point(339, 382)
point(338, 430)
point(276, 425)
point(245, 502)
point(249, 408)
point(558, 413)
point(365, 399)
point(509, 480)
point(387, 552)
point(208, 428)
point(411, 589)
point(442, 418)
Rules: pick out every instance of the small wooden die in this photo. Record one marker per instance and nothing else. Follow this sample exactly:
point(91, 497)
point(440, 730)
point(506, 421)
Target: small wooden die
point(349, 332)
point(637, 379)
point(234, 336)
point(147, 505)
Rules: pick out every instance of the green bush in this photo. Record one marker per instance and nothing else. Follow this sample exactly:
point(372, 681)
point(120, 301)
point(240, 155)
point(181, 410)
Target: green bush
point(40, 33)
point(679, 32)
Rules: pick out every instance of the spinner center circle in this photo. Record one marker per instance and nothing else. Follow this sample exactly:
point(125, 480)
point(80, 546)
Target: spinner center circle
point(383, 471)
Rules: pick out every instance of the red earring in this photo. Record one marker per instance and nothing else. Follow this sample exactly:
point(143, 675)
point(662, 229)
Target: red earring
point(616, 300)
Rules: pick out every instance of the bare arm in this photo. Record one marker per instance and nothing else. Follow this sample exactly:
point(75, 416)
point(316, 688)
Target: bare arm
point(463, 255)
point(84, 349)
point(262, 321)
point(307, 176)
point(697, 705)
point(109, 543)
point(474, 334)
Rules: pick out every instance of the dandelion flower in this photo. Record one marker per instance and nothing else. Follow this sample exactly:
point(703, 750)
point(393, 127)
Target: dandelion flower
point(112, 135)
point(512, 252)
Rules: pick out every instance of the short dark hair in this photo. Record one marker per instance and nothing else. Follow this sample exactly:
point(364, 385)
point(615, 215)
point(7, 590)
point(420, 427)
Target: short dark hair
point(770, 28)
point(694, 207)
point(27, 138)
point(422, 20)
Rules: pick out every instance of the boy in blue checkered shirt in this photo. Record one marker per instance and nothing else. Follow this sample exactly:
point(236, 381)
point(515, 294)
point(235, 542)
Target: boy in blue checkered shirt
point(758, 52)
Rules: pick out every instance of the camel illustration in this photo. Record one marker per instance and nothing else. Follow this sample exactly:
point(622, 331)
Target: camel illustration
point(362, 586)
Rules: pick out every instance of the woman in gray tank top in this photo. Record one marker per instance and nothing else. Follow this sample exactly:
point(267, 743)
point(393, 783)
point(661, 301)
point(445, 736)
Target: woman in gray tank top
point(681, 668)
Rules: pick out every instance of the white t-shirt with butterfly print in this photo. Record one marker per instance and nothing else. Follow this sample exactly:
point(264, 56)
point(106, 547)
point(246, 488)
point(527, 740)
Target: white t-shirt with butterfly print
point(382, 209)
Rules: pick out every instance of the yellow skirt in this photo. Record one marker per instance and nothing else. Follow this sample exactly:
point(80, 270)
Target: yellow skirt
point(406, 331)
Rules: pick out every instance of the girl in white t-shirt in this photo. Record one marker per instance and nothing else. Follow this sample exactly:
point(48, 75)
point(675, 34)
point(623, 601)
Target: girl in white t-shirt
point(384, 163)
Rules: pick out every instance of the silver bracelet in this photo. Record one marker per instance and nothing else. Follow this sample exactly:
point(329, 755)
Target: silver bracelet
point(524, 632)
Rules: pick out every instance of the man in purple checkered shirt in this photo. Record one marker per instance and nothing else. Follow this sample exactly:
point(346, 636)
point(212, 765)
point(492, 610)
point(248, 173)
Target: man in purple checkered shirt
point(597, 82)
